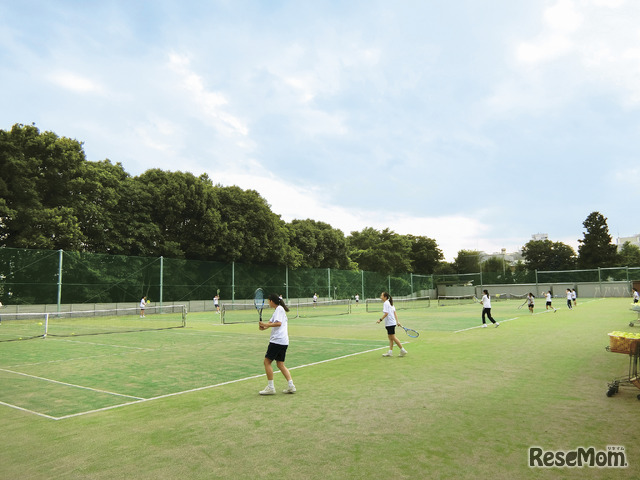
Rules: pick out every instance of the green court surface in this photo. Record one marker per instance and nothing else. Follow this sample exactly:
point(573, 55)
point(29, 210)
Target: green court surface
point(466, 402)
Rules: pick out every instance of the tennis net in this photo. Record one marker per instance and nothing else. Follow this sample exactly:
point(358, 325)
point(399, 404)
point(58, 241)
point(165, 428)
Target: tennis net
point(246, 313)
point(23, 326)
point(446, 300)
point(375, 304)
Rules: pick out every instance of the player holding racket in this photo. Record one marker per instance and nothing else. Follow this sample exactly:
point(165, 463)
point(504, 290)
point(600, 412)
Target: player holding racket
point(486, 309)
point(278, 344)
point(390, 322)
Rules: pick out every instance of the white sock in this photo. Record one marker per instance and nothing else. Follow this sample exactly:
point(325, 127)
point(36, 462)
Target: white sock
point(291, 383)
point(270, 383)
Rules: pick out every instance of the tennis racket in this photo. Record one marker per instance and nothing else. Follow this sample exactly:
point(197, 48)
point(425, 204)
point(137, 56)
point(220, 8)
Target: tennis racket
point(258, 302)
point(522, 305)
point(411, 332)
point(475, 299)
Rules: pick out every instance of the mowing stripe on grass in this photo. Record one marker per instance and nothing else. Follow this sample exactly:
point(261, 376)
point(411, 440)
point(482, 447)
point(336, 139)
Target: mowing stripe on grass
point(69, 384)
point(143, 400)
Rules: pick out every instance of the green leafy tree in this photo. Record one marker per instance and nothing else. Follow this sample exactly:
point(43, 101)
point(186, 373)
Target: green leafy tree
point(319, 244)
point(467, 261)
point(425, 254)
point(384, 252)
point(545, 255)
point(254, 234)
point(186, 210)
point(629, 255)
point(596, 249)
point(38, 188)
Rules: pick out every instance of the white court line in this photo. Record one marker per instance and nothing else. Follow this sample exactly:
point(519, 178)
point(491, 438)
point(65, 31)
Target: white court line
point(143, 400)
point(28, 411)
point(70, 384)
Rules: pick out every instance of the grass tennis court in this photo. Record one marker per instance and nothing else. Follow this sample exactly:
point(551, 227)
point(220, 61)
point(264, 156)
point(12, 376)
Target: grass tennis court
point(465, 403)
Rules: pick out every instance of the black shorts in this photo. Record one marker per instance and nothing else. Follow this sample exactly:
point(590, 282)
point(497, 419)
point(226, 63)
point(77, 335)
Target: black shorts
point(391, 330)
point(276, 352)
point(548, 304)
point(635, 300)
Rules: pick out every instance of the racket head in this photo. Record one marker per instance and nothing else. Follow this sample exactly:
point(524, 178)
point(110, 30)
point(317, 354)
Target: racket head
point(411, 332)
point(258, 301)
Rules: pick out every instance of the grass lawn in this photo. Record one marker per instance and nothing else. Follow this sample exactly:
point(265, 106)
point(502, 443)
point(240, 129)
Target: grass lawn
point(465, 403)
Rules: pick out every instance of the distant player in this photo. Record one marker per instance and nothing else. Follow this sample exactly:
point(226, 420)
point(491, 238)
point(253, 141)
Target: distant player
point(569, 304)
point(531, 302)
point(143, 304)
point(216, 303)
point(315, 299)
point(549, 302)
point(574, 297)
point(636, 296)
point(486, 309)
point(357, 299)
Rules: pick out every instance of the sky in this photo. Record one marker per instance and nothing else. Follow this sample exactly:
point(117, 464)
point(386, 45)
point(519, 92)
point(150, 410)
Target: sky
point(477, 124)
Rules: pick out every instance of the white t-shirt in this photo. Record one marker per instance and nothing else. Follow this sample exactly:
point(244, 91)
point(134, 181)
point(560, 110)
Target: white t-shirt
point(143, 303)
point(568, 295)
point(486, 301)
point(548, 297)
point(530, 300)
point(279, 335)
point(390, 319)
point(636, 296)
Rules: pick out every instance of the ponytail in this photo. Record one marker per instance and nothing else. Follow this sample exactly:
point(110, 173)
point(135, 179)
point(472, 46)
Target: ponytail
point(278, 301)
point(388, 297)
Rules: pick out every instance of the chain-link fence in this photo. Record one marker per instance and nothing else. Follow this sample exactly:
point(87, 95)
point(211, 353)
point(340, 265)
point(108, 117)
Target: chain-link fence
point(29, 276)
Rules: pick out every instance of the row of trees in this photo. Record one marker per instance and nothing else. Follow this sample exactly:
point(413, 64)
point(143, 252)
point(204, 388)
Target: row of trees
point(51, 197)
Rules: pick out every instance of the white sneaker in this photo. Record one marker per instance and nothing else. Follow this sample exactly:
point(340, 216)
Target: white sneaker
point(388, 354)
point(291, 389)
point(403, 352)
point(484, 325)
point(497, 324)
point(268, 391)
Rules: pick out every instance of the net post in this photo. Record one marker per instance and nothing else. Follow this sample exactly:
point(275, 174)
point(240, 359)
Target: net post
point(46, 325)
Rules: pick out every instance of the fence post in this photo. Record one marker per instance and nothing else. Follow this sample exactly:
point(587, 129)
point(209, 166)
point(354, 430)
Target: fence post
point(233, 282)
point(286, 282)
point(59, 279)
point(329, 282)
point(161, 278)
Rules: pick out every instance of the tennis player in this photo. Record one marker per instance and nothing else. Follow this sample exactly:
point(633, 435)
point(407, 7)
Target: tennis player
point(278, 344)
point(574, 297)
point(143, 304)
point(636, 296)
point(569, 299)
point(531, 300)
point(486, 309)
point(216, 303)
point(549, 302)
point(390, 321)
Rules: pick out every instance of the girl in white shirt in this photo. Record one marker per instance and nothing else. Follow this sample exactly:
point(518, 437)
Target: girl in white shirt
point(278, 344)
point(531, 301)
point(486, 309)
point(549, 302)
point(390, 321)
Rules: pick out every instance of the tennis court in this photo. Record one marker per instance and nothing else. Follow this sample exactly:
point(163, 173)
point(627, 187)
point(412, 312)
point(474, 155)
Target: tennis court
point(58, 377)
point(70, 375)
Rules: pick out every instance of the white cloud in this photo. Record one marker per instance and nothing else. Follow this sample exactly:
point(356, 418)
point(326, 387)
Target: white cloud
point(76, 83)
point(209, 103)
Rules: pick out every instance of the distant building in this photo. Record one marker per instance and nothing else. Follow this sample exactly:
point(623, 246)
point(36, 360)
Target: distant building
point(635, 240)
point(509, 258)
point(540, 236)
